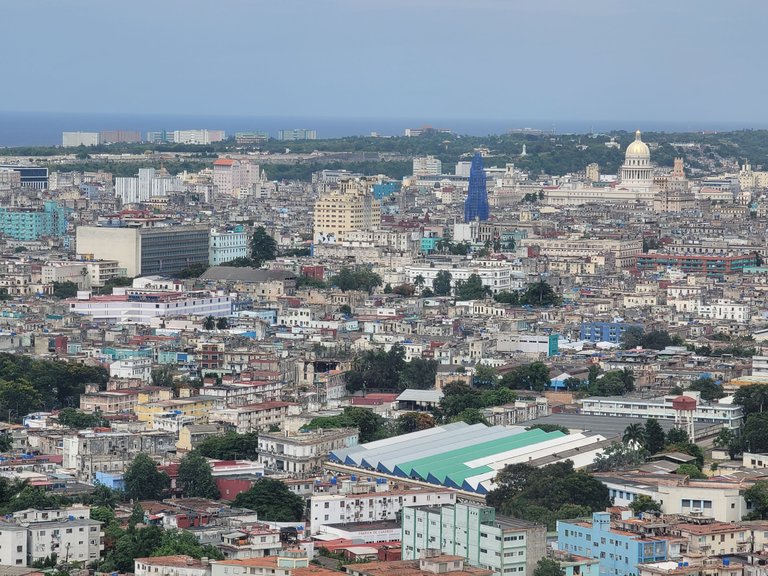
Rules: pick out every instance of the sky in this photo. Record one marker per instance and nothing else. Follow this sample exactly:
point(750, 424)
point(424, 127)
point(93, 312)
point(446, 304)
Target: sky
point(671, 60)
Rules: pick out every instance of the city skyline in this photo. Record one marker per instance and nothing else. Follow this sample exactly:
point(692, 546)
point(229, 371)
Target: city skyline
point(598, 59)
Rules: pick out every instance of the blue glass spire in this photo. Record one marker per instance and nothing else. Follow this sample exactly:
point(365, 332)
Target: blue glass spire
point(476, 204)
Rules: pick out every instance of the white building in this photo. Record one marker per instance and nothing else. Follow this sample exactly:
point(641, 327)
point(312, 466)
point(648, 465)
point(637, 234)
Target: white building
point(725, 310)
point(427, 166)
point(79, 539)
point(235, 177)
point(497, 277)
point(371, 507)
point(228, 245)
point(203, 136)
point(13, 545)
point(140, 308)
point(74, 139)
point(728, 415)
point(131, 368)
point(304, 452)
point(179, 565)
point(149, 183)
point(254, 417)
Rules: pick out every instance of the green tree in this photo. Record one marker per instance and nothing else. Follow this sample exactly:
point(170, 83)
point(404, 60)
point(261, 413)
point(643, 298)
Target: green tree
point(414, 421)
point(506, 297)
point(222, 324)
point(195, 478)
point(709, 389)
point(230, 446)
point(209, 323)
point(360, 278)
point(4, 295)
point(263, 247)
point(546, 494)
point(755, 434)
point(162, 376)
point(690, 470)
point(441, 285)
point(632, 337)
point(726, 439)
point(272, 501)
point(471, 289)
point(540, 294)
point(192, 271)
point(182, 542)
point(677, 436)
point(644, 503)
point(619, 456)
point(372, 426)
point(757, 496)
point(143, 481)
point(65, 289)
point(547, 567)
point(752, 398)
point(419, 373)
point(73, 418)
point(485, 375)
point(654, 436)
point(377, 369)
point(19, 397)
point(634, 434)
point(534, 376)
point(103, 496)
point(470, 416)
point(419, 281)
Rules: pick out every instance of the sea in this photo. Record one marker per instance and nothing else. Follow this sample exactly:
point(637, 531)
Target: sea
point(45, 128)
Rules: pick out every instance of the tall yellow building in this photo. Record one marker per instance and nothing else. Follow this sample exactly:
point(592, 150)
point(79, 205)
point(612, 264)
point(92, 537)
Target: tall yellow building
point(350, 207)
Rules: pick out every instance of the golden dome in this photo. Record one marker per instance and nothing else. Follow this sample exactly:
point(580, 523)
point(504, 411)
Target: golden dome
point(638, 148)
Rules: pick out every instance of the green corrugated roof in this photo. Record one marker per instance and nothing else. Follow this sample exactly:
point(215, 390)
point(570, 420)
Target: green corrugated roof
point(453, 461)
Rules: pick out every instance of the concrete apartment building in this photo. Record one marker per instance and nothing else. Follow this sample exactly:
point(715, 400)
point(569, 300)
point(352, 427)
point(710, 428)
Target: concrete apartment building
point(146, 250)
point(302, 453)
point(351, 207)
point(235, 177)
point(503, 545)
point(254, 417)
point(226, 245)
point(376, 506)
point(75, 139)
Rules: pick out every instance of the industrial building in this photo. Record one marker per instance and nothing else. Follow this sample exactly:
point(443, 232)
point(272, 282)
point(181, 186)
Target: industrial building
point(465, 457)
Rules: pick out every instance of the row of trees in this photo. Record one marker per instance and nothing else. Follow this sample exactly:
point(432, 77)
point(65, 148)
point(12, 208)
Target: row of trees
point(536, 294)
point(376, 369)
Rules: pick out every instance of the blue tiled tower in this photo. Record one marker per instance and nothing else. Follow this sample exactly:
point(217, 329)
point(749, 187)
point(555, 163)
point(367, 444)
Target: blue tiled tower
point(476, 204)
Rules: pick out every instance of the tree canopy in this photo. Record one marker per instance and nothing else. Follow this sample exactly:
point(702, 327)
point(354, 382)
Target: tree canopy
point(471, 289)
point(195, 478)
point(143, 481)
point(360, 278)
point(708, 388)
point(441, 285)
point(546, 494)
point(272, 501)
point(230, 446)
point(634, 336)
point(73, 418)
point(263, 247)
point(380, 370)
point(372, 426)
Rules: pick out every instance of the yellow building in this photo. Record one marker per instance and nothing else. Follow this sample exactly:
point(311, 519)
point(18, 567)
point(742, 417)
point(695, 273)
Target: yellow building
point(192, 410)
point(350, 207)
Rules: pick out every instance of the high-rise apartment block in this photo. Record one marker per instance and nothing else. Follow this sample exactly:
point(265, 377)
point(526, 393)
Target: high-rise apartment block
point(297, 134)
point(235, 177)
point(148, 184)
point(350, 207)
point(74, 139)
point(119, 137)
point(31, 224)
point(33, 177)
point(202, 136)
point(504, 545)
point(427, 166)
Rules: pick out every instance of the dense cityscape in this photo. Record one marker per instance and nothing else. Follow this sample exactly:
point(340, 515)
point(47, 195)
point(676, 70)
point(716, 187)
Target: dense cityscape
point(254, 324)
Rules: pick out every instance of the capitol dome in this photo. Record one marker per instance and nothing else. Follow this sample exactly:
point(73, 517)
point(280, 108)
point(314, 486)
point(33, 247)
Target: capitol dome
point(638, 149)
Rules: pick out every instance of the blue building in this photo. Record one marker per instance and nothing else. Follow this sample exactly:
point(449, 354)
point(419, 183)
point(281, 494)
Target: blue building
point(384, 189)
point(618, 551)
point(605, 331)
point(476, 204)
point(31, 224)
point(111, 480)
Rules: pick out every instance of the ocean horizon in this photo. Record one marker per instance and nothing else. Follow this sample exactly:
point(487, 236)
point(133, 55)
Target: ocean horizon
point(45, 128)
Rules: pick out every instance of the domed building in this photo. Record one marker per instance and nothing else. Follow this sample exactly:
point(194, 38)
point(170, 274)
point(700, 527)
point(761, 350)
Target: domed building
point(637, 170)
point(634, 184)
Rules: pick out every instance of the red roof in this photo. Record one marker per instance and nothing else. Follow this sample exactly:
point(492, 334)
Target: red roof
point(223, 162)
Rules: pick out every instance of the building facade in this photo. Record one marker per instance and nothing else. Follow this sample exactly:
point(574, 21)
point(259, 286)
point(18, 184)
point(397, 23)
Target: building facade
point(476, 533)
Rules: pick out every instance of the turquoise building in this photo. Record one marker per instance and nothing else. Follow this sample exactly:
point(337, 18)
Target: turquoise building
point(30, 224)
point(618, 551)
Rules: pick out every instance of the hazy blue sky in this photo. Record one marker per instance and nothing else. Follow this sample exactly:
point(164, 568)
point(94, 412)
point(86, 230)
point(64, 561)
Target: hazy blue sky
point(567, 59)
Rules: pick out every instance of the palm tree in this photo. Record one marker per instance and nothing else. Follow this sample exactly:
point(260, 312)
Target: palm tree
point(634, 434)
point(222, 324)
point(209, 323)
point(418, 281)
